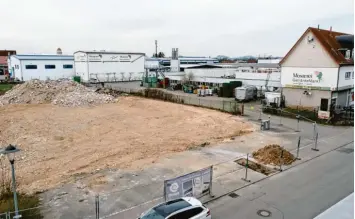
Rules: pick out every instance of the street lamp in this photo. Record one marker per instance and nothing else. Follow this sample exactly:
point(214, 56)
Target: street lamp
point(10, 151)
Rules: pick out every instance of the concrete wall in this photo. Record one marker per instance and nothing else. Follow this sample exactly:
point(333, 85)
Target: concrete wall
point(309, 54)
point(295, 97)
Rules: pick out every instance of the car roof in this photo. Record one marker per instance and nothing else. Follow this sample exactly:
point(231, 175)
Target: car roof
point(192, 201)
point(170, 207)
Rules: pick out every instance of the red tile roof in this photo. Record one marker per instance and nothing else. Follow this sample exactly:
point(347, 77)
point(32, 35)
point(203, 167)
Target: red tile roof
point(329, 43)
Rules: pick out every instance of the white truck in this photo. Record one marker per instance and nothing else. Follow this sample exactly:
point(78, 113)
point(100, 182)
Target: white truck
point(245, 93)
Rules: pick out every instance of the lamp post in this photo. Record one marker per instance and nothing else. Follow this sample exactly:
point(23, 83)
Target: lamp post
point(10, 152)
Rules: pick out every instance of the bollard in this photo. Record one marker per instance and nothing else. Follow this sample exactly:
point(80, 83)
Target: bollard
point(298, 148)
point(281, 158)
point(298, 123)
point(246, 170)
point(315, 143)
point(280, 124)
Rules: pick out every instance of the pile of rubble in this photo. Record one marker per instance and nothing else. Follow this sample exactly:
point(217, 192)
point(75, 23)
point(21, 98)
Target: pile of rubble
point(270, 154)
point(59, 92)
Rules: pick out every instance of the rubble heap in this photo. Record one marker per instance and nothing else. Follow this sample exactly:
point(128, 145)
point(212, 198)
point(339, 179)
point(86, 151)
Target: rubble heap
point(59, 92)
point(270, 154)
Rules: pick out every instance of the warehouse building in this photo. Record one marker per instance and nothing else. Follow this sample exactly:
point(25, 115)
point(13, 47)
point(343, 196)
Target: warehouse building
point(104, 66)
point(42, 67)
point(318, 71)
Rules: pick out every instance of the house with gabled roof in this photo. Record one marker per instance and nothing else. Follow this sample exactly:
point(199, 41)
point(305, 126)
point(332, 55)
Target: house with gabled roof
point(318, 71)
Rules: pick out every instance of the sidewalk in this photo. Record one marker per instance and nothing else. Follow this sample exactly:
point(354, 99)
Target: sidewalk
point(228, 183)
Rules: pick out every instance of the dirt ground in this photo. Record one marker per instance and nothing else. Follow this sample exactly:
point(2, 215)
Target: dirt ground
point(59, 143)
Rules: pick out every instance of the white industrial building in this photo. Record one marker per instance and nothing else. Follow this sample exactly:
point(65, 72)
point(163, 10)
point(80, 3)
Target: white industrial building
point(318, 71)
point(104, 66)
point(27, 67)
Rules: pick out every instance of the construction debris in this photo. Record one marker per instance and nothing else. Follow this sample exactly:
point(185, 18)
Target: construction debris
point(270, 154)
point(59, 92)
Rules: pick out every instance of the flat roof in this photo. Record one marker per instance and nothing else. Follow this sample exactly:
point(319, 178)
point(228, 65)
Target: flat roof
point(109, 52)
point(44, 57)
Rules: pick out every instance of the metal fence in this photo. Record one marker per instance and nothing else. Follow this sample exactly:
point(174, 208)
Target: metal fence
point(230, 106)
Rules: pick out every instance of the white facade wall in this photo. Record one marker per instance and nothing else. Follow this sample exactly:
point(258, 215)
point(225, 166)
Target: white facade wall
point(346, 77)
point(309, 54)
point(255, 79)
point(269, 61)
point(109, 66)
point(309, 78)
point(41, 73)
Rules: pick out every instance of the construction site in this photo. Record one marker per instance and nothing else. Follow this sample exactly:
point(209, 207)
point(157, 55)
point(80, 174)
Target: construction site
point(65, 129)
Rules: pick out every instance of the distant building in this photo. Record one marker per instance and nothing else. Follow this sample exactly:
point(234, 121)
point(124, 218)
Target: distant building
point(4, 68)
point(42, 67)
point(318, 71)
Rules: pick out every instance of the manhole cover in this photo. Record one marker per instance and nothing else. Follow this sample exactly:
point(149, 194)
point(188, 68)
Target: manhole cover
point(346, 150)
point(233, 195)
point(264, 213)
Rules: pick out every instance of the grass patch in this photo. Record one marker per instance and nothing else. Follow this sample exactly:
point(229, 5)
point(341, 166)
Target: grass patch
point(24, 202)
point(5, 87)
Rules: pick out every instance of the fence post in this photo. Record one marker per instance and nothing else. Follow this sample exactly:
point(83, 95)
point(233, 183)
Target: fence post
point(280, 124)
point(246, 170)
point(97, 206)
point(281, 158)
point(260, 113)
point(230, 106)
point(298, 123)
point(315, 143)
point(314, 131)
point(211, 178)
point(223, 105)
point(298, 148)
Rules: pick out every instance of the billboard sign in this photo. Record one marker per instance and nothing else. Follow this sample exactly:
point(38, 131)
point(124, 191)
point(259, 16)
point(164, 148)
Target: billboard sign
point(195, 184)
point(309, 78)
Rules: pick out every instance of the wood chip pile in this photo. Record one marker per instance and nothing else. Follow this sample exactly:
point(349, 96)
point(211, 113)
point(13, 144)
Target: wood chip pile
point(58, 92)
point(270, 154)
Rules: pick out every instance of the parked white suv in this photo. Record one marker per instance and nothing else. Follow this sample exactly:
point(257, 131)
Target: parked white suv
point(182, 208)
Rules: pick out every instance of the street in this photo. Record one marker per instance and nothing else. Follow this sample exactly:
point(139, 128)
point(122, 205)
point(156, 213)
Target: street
point(303, 191)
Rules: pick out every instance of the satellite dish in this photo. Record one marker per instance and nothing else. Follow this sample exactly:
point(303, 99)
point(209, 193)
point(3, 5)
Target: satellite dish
point(310, 39)
point(59, 51)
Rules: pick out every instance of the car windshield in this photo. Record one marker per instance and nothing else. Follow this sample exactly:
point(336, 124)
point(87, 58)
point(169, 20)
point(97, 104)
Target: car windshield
point(152, 214)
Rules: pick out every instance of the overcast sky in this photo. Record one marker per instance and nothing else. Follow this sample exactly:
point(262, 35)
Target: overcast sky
point(196, 27)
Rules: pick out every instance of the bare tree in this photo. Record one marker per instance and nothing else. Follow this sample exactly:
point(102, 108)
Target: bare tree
point(188, 78)
point(122, 76)
point(130, 76)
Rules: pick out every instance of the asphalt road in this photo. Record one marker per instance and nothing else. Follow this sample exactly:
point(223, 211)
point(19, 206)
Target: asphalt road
point(303, 191)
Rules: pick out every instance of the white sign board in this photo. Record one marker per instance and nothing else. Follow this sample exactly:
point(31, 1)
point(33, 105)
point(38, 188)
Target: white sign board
point(309, 78)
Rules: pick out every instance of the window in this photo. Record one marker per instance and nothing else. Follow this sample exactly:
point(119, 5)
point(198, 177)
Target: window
point(352, 75)
point(187, 214)
point(2, 72)
point(67, 66)
point(347, 75)
point(16, 66)
point(324, 104)
point(49, 66)
point(31, 66)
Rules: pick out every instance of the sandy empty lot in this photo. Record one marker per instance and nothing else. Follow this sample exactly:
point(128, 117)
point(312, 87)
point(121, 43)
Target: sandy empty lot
point(58, 143)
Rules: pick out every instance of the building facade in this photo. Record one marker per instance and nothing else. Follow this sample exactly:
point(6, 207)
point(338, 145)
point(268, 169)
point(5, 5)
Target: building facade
point(318, 71)
point(105, 66)
point(42, 67)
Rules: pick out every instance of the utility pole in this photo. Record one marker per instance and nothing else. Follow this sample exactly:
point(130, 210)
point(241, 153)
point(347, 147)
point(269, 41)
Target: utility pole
point(156, 48)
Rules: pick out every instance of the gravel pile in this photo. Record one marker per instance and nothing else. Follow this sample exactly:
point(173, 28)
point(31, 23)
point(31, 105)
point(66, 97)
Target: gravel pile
point(59, 92)
point(270, 154)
